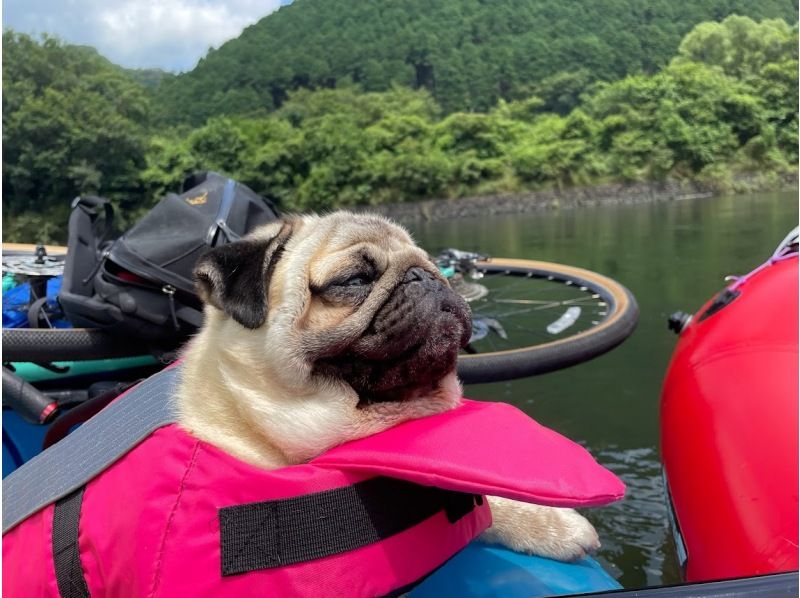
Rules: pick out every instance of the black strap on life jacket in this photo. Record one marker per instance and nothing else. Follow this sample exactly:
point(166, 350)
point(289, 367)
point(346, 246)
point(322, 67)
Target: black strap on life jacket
point(66, 558)
point(288, 531)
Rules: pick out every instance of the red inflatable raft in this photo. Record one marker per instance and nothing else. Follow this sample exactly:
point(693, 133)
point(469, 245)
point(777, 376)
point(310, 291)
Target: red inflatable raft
point(729, 424)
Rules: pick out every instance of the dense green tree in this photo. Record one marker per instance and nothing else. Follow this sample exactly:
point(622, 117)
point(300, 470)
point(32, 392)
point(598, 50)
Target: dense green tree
point(560, 93)
point(740, 46)
point(72, 123)
point(764, 56)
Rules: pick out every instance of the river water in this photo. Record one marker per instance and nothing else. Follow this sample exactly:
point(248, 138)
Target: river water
point(672, 255)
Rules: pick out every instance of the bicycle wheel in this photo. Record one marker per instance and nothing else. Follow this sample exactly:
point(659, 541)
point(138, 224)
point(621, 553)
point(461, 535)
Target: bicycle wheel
point(539, 317)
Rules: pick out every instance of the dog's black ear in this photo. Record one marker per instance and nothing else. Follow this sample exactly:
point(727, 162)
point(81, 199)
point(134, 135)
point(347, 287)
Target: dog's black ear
point(235, 278)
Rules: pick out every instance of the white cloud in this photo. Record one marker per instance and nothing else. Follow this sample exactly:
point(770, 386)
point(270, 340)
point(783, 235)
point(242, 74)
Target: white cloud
point(171, 34)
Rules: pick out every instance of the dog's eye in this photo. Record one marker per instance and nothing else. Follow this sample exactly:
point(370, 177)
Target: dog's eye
point(356, 281)
point(352, 290)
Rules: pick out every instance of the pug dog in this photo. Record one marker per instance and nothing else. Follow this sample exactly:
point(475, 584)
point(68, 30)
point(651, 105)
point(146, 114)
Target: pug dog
point(324, 329)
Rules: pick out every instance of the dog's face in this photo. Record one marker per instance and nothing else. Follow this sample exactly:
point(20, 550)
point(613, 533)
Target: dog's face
point(344, 323)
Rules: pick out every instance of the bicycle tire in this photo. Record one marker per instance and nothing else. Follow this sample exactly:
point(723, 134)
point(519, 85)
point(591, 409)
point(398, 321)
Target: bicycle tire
point(533, 360)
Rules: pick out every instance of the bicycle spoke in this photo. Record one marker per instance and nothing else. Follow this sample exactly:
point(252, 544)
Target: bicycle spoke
point(540, 310)
point(531, 290)
point(535, 309)
point(528, 330)
point(515, 312)
point(525, 304)
point(507, 288)
point(581, 299)
point(528, 299)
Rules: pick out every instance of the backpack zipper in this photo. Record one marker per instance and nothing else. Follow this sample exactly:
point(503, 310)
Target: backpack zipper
point(97, 266)
point(169, 291)
point(144, 274)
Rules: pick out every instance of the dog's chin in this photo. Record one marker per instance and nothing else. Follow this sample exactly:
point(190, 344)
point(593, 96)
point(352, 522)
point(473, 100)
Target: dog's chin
point(382, 372)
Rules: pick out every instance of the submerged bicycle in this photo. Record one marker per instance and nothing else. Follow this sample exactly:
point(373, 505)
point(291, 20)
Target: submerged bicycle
point(532, 317)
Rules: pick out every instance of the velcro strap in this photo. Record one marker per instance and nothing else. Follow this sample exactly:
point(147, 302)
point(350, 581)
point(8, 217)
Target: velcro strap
point(284, 532)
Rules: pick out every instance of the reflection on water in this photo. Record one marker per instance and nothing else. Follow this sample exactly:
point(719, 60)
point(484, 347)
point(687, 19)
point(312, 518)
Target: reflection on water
point(671, 255)
point(635, 531)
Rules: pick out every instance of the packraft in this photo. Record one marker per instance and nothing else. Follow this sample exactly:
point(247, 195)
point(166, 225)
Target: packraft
point(140, 283)
point(729, 427)
point(130, 504)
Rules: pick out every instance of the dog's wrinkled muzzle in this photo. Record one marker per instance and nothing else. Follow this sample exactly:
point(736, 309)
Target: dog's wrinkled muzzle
point(421, 307)
point(411, 343)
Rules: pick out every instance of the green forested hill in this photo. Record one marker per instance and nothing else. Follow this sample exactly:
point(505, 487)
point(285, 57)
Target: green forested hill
point(150, 78)
point(467, 53)
point(723, 107)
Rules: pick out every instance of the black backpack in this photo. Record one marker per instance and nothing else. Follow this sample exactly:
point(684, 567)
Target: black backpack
point(141, 282)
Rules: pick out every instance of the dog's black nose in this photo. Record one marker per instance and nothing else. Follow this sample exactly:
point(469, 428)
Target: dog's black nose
point(417, 274)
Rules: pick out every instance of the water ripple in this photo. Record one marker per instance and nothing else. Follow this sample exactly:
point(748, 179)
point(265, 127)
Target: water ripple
point(637, 543)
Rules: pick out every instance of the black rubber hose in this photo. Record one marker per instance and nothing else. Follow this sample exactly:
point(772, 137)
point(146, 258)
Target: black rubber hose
point(67, 397)
point(66, 344)
point(31, 404)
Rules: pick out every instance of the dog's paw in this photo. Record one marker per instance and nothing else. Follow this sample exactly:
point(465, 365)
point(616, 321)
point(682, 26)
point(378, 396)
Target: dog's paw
point(551, 532)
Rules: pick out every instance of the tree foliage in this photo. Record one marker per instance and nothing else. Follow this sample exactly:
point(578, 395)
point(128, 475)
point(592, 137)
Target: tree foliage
point(72, 122)
point(466, 53)
point(726, 104)
point(699, 116)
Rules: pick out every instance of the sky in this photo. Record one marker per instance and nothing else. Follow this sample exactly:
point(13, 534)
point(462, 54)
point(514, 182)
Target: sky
point(168, 34)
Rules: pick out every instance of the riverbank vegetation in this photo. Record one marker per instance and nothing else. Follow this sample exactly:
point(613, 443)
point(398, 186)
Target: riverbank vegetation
point(724, 105)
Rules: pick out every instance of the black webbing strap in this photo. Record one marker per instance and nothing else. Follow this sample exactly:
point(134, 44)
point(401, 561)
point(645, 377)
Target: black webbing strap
point(69, 574)
point(283, 532)
point(220, 223)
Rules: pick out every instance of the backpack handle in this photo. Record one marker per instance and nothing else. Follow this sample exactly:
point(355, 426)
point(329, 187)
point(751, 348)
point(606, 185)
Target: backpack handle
point(91, 204)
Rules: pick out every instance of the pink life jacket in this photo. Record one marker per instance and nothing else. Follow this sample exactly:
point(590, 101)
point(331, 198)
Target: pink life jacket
point(176, 516)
